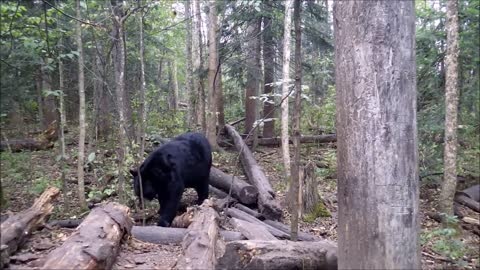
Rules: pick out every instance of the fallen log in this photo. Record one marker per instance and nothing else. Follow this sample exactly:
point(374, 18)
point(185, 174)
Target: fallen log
point(473, 192)
point(276, 141)
point(217, 192)
point(95, 243)
point(185, 219)
point(252, 231)
point(241, 190)
point(267, 203)
point(17, 228)
point(236, 213)
point(286, 229)
point(43, 141)
point(201, 242)
point(249, 211)
point(73, 223)
point(467, 201)
point(261, 254)
point(168, 235)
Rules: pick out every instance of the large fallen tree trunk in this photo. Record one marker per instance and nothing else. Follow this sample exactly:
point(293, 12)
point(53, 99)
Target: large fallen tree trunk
point(202, 242)
point(95, 243)
point(267, 203)
point(252, 231)
point(164, 235)
point(241, 190)
point(42, 142)
point(261, 254)
point(276, 141)
point(469, 197)
point(236, 213)
point(17, 228)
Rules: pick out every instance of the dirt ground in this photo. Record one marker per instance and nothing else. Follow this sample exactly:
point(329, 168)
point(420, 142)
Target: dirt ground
point(21, 182)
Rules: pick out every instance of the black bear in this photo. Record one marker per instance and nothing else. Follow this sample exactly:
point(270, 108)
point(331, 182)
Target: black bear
point(183, 162)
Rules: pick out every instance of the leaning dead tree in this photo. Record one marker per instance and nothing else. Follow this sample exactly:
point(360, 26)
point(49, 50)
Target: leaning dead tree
point(267, 203)
point(261, 254)
point(202, 242)
point(16, 229)
point(95, 243)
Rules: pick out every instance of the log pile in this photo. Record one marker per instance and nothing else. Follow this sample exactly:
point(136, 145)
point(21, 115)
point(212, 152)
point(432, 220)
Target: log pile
point(16, 229)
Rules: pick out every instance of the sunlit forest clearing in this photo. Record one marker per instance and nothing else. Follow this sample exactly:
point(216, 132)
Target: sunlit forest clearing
point(246, 134)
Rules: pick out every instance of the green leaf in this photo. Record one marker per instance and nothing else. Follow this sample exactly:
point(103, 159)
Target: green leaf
point(91, 157)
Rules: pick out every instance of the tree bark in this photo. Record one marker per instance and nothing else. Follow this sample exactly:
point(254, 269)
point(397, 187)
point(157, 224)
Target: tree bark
point(449, 184)
point(241, 190)
point(200, 91)
point(295, 177)
point(119, 65)
point(285, 90)
point(189, 81)
point(143, 100)
point(249, 211)
point(378, 212)
point(62, 126)
point(211, 113)
point(253, 33)
point(261, 254)
point(286, 229)
point(81, 114)
point(95, 243)
point(17, 228)
point(174, 93)
point(269, 60)
point(201, 242)
point(267, 203)
point(309, 190)
point(276, 141)
point(252, 231)
point(167, 235)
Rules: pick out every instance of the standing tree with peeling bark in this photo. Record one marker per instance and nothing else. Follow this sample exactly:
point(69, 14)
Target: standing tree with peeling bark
point(211, 113)
point(449, 184)
point(378, 212)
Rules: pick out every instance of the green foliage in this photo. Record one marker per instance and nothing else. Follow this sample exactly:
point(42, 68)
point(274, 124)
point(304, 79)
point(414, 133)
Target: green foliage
point(446, 241)
point(40, 184)
point(320, 210)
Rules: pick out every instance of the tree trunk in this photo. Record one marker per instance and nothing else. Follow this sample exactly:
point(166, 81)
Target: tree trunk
point(95, 243)
point(39, 88)
point(50, 108)
point(261, 254)
point(167, 235)
point(62, 126)
point(143, 100)
point(220, 99)
point(295, 178)
point(189, 81)
point(449, 184)
point(213, 66)
point(200, 91)
point(241, 190)
point(17, 228)
point(201, 242)
point(286, 229)
point(253, 34)
point(378, 214)
point(285, 86)
point(119, 65)
point(174, 83)
point(252, 231)
point(309, 190)
point(269, 60)
point(81, 114)
point(267, 203)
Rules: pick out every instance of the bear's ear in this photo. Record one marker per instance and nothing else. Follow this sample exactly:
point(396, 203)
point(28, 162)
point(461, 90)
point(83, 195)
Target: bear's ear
point(134, 172)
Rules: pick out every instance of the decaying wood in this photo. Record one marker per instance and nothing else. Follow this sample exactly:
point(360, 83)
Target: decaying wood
point(73, 223)
point(201, 243)
point(18, 227)
point(249, 211)
point(286, 229)
point(217, 192)
point(236, 213)
point(304, 139)
point(473, 192)
point(309, 197)
point(252, 231)
point(169, 235)
point(185, 219)
point(261, 254)
point(43, 141)
point(267, 203)
point(95, 243)
point(241, 190)
point(467, 201)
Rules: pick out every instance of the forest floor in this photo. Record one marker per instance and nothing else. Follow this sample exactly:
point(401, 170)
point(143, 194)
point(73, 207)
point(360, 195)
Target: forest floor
point(25, 175)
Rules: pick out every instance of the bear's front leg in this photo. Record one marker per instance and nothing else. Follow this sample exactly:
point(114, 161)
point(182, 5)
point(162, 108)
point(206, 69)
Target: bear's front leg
point(168, 209)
